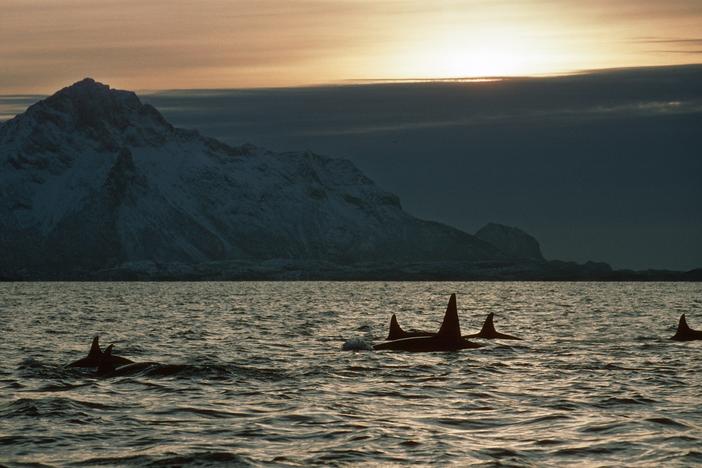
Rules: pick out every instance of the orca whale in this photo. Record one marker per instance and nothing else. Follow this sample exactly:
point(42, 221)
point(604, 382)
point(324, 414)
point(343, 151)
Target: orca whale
point(448, 338)
point(95, 357)
point(685, 333)
point(396, 332)
point(108, 368)
point(488, 331)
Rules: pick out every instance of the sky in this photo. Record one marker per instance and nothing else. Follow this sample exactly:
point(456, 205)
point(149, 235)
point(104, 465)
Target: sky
point(172, 44)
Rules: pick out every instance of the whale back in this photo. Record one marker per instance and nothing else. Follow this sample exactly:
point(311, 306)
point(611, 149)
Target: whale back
point(450, 328)
point(107, 364)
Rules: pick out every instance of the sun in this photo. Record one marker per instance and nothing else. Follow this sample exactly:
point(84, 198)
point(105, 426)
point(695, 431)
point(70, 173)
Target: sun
point(479, 61)
point(489, 51)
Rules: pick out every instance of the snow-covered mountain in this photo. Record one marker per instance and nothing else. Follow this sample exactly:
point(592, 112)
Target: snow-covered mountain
point(92, 179)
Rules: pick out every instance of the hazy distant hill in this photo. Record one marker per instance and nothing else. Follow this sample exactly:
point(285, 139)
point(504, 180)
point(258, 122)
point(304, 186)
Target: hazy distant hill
point(94, 180)
point(511, 240)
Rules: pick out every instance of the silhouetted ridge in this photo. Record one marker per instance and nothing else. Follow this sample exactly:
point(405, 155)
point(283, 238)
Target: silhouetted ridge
point(511, 240)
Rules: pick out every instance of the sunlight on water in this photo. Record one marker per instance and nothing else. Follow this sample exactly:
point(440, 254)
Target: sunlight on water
point(264, 379)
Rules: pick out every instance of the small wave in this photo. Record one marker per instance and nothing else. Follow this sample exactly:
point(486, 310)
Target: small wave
point(693, 456)
point(548, 442)
point(189, 371)
point(206, 371)
point(546, 418)
point(193, 459)
point(500, 453)
point(31, 368)
point(667, 422)
point(60, 387)
point(357, 344)
point(28, 440)
point(602, 428)
point(602, 449)
point(200, 412)
point(618, 401)
point(483, 423)
point(50, 408)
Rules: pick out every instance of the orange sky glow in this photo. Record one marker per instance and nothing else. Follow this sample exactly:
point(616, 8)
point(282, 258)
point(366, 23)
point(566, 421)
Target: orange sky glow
point(46, 44)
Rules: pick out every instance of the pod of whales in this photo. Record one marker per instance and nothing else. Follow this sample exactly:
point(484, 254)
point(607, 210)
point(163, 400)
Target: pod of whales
point(96, 356)
point(448, 338)
point(684, 332)
point(487, 332)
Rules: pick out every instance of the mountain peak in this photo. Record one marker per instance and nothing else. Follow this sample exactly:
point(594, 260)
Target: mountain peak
point(90, 98)
point(86, 83)
point(112, 117)
point(87, 88)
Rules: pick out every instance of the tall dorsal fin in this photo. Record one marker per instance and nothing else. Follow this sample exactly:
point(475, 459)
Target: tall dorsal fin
point(450, 327)
point(106, 364)
point(682, 324)
point(95, 347)
point(396, 331)
point(488, 326)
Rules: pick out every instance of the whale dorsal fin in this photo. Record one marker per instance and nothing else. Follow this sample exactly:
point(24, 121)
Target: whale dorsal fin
point(95, 348)
point(106, 364)
point(450, 327)
point(396, 331)
point(682, 325)
point(488, 326)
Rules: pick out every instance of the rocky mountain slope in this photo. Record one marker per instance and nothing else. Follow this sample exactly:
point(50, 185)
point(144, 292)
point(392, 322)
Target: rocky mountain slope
point(92, 180)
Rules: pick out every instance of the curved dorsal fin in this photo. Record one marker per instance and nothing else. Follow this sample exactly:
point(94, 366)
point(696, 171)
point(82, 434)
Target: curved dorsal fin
point(488, 326)
point(682, 324)
point(95, 347)
point(450, 327)
point(396, 331)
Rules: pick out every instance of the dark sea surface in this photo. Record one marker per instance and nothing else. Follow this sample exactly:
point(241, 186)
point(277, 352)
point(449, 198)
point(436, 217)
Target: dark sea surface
point(262, 378)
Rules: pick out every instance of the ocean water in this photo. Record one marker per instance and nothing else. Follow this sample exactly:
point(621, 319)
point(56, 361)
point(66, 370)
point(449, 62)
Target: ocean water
point(263, 378)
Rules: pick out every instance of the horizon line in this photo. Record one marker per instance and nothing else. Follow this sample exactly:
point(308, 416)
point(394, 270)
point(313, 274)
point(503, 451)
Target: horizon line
point(380, 81)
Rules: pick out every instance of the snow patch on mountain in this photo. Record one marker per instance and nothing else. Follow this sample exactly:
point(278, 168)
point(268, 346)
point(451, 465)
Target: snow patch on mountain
point(91, 178)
